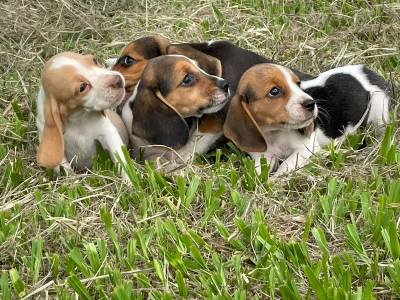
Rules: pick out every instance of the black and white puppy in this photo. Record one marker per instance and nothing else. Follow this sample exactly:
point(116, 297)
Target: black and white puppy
point(275, 115)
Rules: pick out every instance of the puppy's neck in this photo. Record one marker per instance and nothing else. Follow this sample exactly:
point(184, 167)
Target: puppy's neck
point(83, 114)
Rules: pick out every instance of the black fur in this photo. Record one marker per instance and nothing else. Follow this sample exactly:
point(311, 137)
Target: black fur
point(155, 122)
point(375, 79)
point(235, 60)
point(342, 101)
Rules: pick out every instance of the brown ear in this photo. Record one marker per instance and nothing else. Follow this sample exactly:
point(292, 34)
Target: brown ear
point(209, 64)
point(211, 123)
point(162, 45)
point(156, 121)
point(51, 149)
point(241, 128)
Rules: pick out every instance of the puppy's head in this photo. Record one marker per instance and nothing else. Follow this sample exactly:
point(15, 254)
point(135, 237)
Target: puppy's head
point(73, 82)
point(136, 55)
point(268, 98)
point(172, 88)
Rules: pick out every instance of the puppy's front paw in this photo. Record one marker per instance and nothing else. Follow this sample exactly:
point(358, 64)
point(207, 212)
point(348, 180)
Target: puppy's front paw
point(67, 170)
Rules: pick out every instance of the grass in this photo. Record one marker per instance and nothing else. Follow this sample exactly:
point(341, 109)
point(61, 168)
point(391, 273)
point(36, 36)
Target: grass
point(330, 231)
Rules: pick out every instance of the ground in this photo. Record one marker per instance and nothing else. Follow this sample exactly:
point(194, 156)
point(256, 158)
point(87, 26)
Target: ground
point(329, 231)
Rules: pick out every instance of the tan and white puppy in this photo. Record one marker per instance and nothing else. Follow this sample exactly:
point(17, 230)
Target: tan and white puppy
point(171, 96)
point(73, 112)
point(273, 115)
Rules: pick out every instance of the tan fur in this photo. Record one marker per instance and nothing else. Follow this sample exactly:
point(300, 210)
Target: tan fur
point(51, 148)
point(211, 123)
point(188, 100)
point(241, 128)
point(61, 86)
point(163, 102)
point(59, 104)
point(208, 63)
point(252, 107)
point(144, 49)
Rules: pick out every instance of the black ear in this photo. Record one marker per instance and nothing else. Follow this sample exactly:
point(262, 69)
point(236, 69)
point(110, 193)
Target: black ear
point(209, 64)
point(155, 121)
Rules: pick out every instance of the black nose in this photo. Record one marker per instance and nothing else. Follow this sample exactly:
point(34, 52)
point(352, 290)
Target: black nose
point(309, 104)
point(117, 82)
point(223, 84)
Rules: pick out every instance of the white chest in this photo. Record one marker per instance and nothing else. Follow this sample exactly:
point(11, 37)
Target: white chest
point(283, 143)
point(80, 137)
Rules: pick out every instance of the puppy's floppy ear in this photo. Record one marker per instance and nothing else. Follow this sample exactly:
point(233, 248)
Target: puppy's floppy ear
point(156, 121)
point(241, 128)
point(162, 44)
point(208, 63)
point(51, 149)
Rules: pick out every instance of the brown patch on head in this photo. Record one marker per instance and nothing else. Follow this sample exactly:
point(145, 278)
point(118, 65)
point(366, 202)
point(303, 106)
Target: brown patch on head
point(253, 107)
point(183, 85)
point(71, 81)
point(173, 88)
point(61, 86)
point(209, 64)
point(256, 84)
point(135, 56)
point(266, 96)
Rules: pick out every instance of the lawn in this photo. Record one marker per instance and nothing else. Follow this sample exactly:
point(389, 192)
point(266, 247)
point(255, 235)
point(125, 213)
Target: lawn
point(216, 230)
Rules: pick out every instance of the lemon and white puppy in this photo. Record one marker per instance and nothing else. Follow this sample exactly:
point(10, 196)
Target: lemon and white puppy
point(74, 112)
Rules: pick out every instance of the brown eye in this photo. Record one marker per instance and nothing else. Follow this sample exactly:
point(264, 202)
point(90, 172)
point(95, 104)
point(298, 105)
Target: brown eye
point(127, 61)
point(83, 87)
point(275, 92)
point(188, 80)
point(95, 61)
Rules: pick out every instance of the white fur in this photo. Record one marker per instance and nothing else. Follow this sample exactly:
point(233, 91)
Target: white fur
point(198, 143)
point(379, 110)
point(111, 62)
point(127, 115)
point(297, 97)
point(296, 149)
point(86, 126)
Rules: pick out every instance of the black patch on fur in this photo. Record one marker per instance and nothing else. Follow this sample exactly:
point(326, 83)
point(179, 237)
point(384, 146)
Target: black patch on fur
point(235, 61)
point(376, 79)
point(341, 102)
point(155, 122)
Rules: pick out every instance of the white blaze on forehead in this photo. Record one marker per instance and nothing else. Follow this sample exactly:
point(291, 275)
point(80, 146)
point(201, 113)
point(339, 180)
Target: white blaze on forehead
point(89, 72)
point(297, 94)
point(63, 61)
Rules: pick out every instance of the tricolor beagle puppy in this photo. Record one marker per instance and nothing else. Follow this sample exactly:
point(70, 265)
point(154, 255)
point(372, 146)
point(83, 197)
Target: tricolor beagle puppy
point(219, 58)
point(73, 112)
point(161, 115)
point(274, 115)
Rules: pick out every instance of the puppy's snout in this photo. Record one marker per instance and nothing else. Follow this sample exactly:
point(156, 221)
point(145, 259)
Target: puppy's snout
point(224, 85)
point(309, 105)
point(116, 82)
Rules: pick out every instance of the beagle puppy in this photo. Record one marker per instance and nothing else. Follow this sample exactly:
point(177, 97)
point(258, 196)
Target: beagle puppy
point(74, 111)
point(219, 58)
point(276, 115)
point(161, 115)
